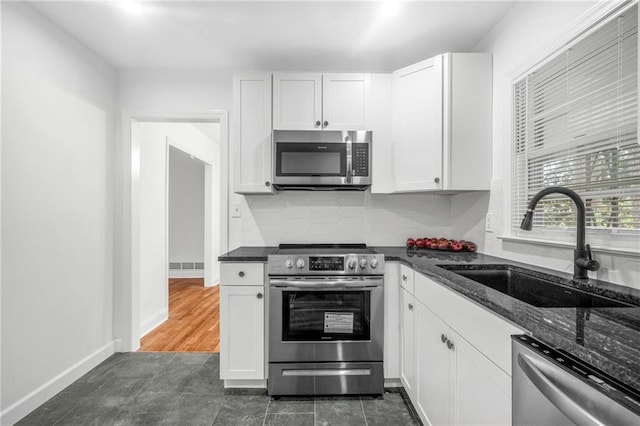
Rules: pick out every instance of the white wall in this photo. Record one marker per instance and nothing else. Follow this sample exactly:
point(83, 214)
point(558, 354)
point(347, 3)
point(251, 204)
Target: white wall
point(57, 210)
point(523, 32)
point(154, 294)
point(175, 90)
point(186, 209)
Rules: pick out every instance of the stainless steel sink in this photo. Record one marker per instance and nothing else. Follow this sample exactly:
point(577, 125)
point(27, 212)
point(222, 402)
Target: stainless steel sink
point(533, 289)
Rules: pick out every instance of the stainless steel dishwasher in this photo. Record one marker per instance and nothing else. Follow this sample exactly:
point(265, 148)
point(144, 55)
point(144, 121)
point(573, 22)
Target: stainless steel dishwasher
point(552, 388)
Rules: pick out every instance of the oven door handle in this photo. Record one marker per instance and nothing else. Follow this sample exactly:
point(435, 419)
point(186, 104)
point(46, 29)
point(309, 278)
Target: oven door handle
point(325, 284)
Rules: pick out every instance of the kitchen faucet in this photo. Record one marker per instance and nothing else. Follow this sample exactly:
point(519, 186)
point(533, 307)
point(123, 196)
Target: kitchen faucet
point(582, 260)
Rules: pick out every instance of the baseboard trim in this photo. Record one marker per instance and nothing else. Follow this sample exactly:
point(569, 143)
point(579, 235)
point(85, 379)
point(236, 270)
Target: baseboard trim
point(33, 400)
point(153, 321)
point(245, 383)
point(186, 273)
point(392, 383)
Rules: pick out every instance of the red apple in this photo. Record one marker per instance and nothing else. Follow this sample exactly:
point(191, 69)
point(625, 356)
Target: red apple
point(411, 242)
point(469, 246)
point(456, 246)
point(444, 245)
point(420, 243)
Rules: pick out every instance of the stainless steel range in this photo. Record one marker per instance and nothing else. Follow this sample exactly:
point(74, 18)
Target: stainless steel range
point(326, 319)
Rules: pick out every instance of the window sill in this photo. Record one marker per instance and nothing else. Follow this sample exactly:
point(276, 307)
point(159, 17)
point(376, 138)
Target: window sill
point(619, 251)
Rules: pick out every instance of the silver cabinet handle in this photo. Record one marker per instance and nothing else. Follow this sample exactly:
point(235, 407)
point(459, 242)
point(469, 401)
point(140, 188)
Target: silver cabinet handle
point(259, 295)
point(267, 183)
point(404, 278)
point(317, 124)
point(563, 401)
point(325, 124)
point(443, 338)
point(449, 344)
point(241, 273)
point(436, 180)
point(410, 307)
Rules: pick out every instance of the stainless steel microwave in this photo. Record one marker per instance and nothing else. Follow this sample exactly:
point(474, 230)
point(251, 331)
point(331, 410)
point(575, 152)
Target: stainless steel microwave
point(321, 160)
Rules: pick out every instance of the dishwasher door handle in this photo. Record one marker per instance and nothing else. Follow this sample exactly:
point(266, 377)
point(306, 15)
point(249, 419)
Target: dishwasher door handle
point(563, 402)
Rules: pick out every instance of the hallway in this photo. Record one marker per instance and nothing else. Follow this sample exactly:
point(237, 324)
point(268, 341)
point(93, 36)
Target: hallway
point(194, 319)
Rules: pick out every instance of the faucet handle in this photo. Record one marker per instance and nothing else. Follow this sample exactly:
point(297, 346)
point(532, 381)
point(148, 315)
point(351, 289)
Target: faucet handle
point(591, 265)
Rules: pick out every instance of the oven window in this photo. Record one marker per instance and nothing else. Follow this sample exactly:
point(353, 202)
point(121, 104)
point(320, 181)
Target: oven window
point(305, 159)
point(326, 315)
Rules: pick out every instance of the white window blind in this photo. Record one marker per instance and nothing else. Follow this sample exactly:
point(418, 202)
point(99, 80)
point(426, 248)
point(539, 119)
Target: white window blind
point(575, 125)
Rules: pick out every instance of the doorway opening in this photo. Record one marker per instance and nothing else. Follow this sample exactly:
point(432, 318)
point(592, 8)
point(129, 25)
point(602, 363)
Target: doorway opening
point(178, 229)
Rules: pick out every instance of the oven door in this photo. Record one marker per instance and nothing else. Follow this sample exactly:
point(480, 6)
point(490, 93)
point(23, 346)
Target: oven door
point(326, 319)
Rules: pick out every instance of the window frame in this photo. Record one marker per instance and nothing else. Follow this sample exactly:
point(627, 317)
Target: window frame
point(614, 240)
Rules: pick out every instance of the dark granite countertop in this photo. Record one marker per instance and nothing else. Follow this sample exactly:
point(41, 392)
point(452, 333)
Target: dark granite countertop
point(247, 254)
point(607, 338)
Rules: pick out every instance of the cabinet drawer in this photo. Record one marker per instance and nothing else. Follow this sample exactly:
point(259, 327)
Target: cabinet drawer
point(407, 278)
point(242, 273)
point(481, 328)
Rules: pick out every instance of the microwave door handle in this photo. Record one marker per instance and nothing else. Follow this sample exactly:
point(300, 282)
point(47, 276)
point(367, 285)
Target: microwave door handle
point(347, 141)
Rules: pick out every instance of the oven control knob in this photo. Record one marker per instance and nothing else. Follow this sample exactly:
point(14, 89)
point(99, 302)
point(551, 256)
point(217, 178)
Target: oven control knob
point(352, 264)
point(374, 263)
point(300, 263)
point(363, 263)
point(288, 263)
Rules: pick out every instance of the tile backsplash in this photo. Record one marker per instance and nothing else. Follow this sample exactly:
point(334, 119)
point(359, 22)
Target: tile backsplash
point(341, 217)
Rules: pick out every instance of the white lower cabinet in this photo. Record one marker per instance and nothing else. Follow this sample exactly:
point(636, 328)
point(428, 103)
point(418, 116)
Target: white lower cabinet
point(242, 326)
point(450, 380)
point(433, 399)
point(457, 384)
point(481, 390)
point(407, 343)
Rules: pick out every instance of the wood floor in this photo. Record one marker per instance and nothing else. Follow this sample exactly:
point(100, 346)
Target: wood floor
point(194, 319)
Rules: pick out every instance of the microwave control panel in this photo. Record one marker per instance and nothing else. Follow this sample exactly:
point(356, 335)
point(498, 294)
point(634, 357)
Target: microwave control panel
point(361, 159)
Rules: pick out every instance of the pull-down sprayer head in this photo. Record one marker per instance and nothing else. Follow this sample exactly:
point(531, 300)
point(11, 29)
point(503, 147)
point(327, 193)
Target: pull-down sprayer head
point(527, 221)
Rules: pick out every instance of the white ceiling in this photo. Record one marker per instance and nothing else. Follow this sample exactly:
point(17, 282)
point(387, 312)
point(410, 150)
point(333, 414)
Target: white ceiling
point(274, 35)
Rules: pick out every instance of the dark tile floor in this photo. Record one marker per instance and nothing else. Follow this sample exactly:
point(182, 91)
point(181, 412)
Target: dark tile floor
point(184, 389)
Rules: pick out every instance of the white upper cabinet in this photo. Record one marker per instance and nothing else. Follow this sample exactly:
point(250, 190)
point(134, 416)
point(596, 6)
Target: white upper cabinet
point(251, 137)
point(311, 101)
point(297, 101)
point(441, 112)
point(417, 126)
point(345, 101)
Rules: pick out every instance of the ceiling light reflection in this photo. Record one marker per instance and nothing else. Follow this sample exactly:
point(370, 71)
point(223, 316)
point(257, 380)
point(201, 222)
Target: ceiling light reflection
point(389, 8)
point(132, 6)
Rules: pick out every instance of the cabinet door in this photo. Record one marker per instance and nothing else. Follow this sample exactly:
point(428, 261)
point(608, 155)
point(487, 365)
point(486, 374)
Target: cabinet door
point(297, 101)
point(345, 101)
point(434, 368)
point(417, 126)
point(482, 391)
point(242, 332)
point(407, 344)
point(252, 133)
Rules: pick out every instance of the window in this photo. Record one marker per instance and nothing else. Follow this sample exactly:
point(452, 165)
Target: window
point(575, 125)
